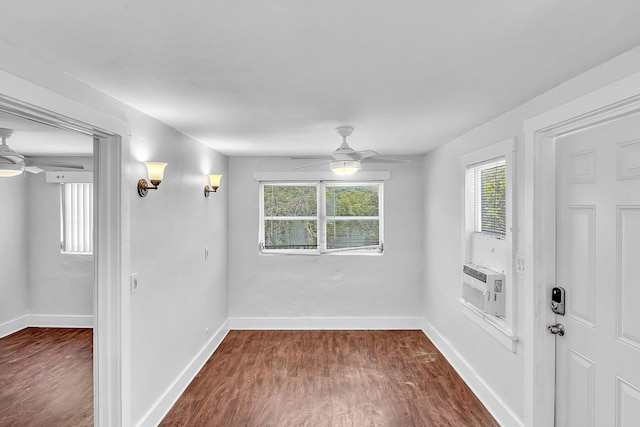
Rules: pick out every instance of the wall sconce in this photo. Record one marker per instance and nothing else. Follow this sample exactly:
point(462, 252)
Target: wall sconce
point(156, 173)
point(215, 183)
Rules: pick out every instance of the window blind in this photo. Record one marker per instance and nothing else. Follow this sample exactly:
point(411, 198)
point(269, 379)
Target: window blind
point(487, 182)
point(77, 217)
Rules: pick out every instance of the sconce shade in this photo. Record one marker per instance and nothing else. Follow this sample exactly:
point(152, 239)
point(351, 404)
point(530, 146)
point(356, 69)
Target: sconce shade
point(214, 180)
point(345, 167)
point(156, 171)
point(156, 174)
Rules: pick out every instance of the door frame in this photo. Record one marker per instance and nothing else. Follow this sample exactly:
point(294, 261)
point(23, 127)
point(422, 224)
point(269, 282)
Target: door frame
point(111, 350)
point(613, 101)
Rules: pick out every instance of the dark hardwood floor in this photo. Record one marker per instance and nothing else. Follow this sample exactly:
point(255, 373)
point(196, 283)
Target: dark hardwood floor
point(46, 378)
point(327, 378)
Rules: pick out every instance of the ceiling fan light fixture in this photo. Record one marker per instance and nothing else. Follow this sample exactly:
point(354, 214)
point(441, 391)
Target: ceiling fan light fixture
point(345, 167)
point(10, 169)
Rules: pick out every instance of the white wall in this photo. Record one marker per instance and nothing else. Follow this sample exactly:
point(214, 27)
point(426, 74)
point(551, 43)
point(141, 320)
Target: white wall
point(327, 286)
point(14, 294)
point(499, 372)
point(182, 300)
point(164, 234)
point(59, 284)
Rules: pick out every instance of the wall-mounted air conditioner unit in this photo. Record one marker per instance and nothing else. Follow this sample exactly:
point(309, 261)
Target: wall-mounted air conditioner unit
point(483, 289)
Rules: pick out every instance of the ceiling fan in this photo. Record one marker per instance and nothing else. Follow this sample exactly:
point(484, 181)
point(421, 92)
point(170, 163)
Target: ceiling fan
point(345, 160)
point(12, 163)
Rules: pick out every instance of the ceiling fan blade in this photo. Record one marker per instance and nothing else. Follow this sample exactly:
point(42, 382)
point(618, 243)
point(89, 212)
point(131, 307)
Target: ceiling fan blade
point(366, 154)
point(33, 169)
point(51, 163)
point(348, 156)
point(311, 157)
point(15, 159)
point(378, 159)
point(310, 164)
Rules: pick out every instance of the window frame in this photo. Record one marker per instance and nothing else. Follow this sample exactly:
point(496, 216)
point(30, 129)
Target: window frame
point(322, 219)
point(263, 218)
point(504, 329)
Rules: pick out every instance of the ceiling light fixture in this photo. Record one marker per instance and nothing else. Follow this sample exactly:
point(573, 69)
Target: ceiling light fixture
point(11, 163)
point(345, 167)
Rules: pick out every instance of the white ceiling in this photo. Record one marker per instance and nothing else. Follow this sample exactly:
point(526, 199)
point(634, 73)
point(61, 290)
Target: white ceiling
point(255, 77)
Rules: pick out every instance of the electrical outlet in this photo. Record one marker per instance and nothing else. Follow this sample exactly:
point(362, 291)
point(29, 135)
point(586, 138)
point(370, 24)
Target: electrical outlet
point(134, 282)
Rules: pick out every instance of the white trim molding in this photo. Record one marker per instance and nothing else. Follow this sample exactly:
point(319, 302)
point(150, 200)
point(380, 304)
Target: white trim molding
point(161, 407)
point(60, 321)
point(324, 323)
point(321, 176)
point(14, 325)
point(45, 321)
point(489, 398)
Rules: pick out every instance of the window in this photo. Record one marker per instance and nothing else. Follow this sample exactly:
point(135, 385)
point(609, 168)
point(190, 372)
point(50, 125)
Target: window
point(486, 183)
point(76, 202)
point(321, 217)
point(487, 239)
point(290, 216)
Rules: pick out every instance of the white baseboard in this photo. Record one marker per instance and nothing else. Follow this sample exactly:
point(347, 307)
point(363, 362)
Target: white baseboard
point(159, 410)
point(14, 325)
point(45, 321)
point(60, 321)
point(334, 323)
point(494, 404)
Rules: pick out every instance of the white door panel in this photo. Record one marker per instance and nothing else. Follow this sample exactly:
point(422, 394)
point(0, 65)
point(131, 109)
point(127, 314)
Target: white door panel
point(598, 263)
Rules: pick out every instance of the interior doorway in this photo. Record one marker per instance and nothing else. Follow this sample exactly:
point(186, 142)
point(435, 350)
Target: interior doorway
point(110, 349)
point(48, 272)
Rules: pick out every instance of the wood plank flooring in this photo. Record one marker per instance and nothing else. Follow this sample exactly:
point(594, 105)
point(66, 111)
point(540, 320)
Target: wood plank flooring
point(46, 378)
point(327, 378)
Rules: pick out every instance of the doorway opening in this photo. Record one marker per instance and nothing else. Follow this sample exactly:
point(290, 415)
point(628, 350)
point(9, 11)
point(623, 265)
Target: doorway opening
point(110, 352)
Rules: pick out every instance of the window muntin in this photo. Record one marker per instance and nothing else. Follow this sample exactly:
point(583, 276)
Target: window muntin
point(321, 217)
point(76, 231)
point(487, 183)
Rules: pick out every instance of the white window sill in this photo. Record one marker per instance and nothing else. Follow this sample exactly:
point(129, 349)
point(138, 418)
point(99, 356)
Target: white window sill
point(271, 252)
point(493, 325)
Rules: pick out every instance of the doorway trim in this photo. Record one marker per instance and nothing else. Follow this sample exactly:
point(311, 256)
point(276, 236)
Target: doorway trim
point(111, 350)
point(612, 101)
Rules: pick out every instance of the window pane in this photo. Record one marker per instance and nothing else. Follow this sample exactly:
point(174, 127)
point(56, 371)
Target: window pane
point(493, 200)
point(290, 200)
point(352, 200)
point(352, 233)
point(290, 234)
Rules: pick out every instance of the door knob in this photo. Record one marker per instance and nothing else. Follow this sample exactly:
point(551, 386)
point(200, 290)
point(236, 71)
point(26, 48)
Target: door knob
point(556, 329)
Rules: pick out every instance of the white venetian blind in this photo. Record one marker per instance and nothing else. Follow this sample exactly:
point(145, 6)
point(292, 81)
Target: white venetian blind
point(486, 183)
point(77, 218)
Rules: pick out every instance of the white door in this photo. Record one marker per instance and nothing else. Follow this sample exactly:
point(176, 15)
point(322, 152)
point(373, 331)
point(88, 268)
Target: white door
point(598, 263)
